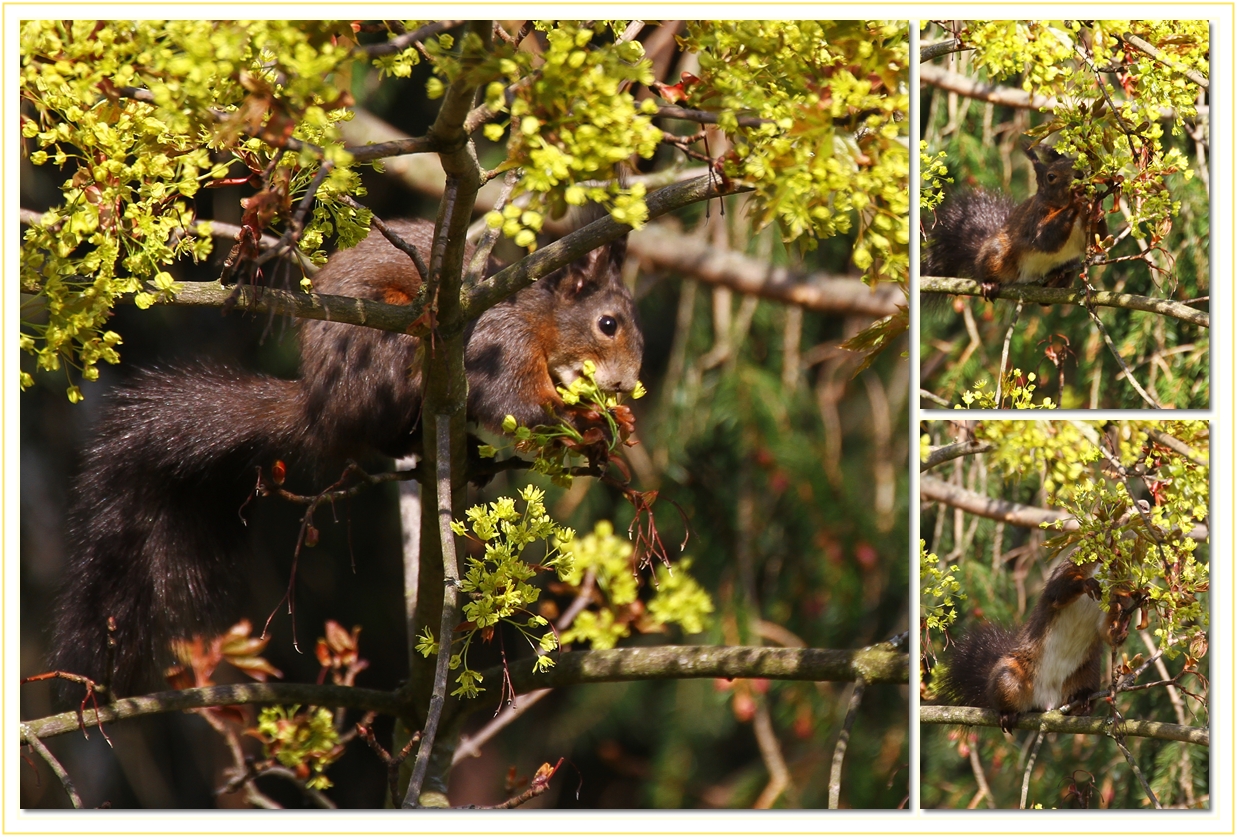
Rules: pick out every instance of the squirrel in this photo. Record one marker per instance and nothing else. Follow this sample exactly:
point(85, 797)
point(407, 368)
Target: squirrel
point(987, 237)
point(1053, 659)
point(156, 523)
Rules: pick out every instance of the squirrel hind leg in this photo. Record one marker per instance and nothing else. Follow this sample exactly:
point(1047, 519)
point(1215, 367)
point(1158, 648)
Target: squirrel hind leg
point(1009, 689)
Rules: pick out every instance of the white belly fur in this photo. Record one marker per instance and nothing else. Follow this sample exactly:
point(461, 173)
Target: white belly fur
point(1066, 647)
point(1035, 266)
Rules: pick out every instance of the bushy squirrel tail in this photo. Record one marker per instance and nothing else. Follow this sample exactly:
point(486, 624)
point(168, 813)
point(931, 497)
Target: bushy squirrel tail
point(964, 679)
point(958, 229)
point(156, 525)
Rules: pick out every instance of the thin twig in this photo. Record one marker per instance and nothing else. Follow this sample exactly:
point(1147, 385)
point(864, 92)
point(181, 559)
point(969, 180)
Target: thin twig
point(977, 769)
point(307, 694)
point(392, 763)
point(317, 797)
point(32, 740)
point(519, 704)
point(1142, 780)
point(296, 224)
point(839, 749)
point(481, 256)
point(1013, 97)
point(1009, 335)
point(1129, 374)
point(332, 494)
point(400, 244)
point(539, 785)
point(771, 754)
point(708, 117)
point(1026, 774)
point(404, 41)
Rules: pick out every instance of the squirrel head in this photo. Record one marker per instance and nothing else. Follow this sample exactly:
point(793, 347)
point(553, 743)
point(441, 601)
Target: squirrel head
point(595, 318)
point(1054, 176)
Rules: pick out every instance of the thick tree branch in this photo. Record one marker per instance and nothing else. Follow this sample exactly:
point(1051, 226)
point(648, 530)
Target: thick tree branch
point(1056, 722)
point(423, 173)
point(708, 117)
point(445, 391)
point(932, 489)
point(1064, 296)
point(340, 309)
point(927, 52)
point(946, 453)
point(523, 273)
point(876, 664)
point(662, 248)
point(1175, 444)
point(1013, 97)
point(217, 229)
point(1165, 59)
point(349, 697)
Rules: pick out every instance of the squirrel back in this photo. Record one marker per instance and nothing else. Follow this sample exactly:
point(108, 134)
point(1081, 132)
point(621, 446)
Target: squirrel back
point(1053, 659)
point(156, 522)
point(987, 237)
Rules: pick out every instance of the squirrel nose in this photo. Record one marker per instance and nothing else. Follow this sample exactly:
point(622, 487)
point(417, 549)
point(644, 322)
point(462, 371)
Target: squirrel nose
point(617, 380)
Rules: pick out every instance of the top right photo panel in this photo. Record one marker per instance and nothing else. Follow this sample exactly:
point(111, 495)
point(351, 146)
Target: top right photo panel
point(1065, 227)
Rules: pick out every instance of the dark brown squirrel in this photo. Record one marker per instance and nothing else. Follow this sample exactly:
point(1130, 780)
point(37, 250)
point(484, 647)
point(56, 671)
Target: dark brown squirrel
point(156, 525)
point(1053, 659)
point(987, 237)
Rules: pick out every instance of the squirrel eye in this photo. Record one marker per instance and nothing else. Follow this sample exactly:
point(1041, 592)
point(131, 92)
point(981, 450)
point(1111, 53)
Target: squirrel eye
point(608, 325)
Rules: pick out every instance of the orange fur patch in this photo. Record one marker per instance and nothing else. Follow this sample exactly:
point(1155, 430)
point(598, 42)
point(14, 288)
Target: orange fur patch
point(394, 296)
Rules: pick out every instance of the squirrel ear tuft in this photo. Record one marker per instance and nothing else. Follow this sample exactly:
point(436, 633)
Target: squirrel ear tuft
point(617, 251)
point(594, 270)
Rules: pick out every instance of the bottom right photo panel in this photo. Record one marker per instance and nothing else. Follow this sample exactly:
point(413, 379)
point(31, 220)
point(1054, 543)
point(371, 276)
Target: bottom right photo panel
point(1064, 613)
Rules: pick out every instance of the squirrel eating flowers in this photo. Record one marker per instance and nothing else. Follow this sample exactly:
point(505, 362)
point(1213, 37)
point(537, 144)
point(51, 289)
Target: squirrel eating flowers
point(1053, 659)
point(987, 237)
point(155, 526)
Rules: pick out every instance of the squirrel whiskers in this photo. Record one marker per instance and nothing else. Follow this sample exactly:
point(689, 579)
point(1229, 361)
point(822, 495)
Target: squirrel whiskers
point(987, 237)
point(156, 527)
